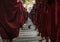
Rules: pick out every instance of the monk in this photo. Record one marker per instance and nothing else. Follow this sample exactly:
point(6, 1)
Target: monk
point(57, 15)
point(11, 19)
point(44, 19)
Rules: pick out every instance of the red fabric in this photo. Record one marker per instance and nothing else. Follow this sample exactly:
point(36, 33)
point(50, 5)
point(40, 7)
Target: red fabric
point(32, 13)
point(58, 19)
point(11, 17)
point(21, 18)
point(55, 21)
point(47, 18)
point(53, 28)
point(39, 16)
point(23, 14)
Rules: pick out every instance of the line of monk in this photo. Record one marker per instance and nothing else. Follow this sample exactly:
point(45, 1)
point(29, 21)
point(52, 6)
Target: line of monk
point(12, 16)
point(45, 15)
point(47, 19)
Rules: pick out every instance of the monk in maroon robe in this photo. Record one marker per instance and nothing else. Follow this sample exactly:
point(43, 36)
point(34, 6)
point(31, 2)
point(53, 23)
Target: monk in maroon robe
point(44, 19)
point(47, 24)
point(11, 18)
point(51, 27)
point(23, 14)
point(57, 13)
point(38, 14)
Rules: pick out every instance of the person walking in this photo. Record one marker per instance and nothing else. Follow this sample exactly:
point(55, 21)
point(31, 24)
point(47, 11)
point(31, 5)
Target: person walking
point(11, 18)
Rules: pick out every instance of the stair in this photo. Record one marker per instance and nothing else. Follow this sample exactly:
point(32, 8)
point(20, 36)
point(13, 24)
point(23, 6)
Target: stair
point(27, 36)
point(0, 39)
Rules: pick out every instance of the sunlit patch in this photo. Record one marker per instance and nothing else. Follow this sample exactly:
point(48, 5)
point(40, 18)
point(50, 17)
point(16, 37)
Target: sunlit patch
point(28, 4)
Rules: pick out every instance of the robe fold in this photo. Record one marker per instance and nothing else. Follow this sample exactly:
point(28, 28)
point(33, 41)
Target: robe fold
point(47, 18)
point(11, 18)
point(38, 16)
point(23, 15)
point(52, 26)
point(58, 19)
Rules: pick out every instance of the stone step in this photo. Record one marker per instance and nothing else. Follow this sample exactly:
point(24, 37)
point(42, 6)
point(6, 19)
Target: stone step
point(27, 39)
point(0, 39)
point(26, 34)
point(32, 32)
point(27, 30)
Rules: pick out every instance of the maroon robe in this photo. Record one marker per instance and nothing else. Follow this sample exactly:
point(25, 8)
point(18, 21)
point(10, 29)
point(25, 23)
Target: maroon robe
point(23, 14)
point(45, 19)
point(58, 19)
point(52, 20)
point(10, 18)
point(32, 13)
point(39, 17)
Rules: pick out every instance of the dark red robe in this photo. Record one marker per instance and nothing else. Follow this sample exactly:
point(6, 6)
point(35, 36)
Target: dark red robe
point(58, 19)
point(38, 16)
point(23, 14)
point(45, 18)
point(11, 18)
